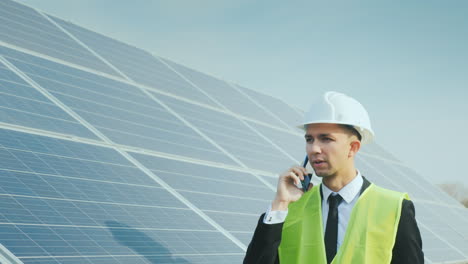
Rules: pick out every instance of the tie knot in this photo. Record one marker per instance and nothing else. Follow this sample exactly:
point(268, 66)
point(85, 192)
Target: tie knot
point(334, 200)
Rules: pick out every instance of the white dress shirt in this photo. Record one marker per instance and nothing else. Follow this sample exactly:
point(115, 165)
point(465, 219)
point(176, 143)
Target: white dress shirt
point(350, 194)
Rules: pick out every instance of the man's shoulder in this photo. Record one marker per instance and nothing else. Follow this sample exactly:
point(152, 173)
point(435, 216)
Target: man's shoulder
point(379, 192)
point(407, 206)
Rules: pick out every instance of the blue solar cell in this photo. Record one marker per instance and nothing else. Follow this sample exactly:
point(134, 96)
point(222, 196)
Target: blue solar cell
point(104, 216)
point(195, 184)
point(292, 143)
point(23, 161)
point(372, 174)
point(433, 228)
point(56, 147)
point(276, 106)
point(212, 202)
point(126, 116)
point(376, 150)
point(137, 64)
point(21, 104)
point(390, 175)
point(232, 135)
point(165, 167)
point(457, 232)
point(236, 222)
point(226, 95)
point(70, 77)
point(18, 242)
point(272, 180)
point(173, 259)
point(244, 237)
point(24, 27)
point(12, 84)
point(215, 189)
point(48, 110)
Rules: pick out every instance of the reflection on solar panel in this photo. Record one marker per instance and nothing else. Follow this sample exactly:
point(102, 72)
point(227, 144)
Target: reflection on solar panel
point(112, 155)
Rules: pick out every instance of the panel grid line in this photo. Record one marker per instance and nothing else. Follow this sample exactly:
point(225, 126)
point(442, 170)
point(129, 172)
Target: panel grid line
point(127, 148)
point(125, 154)
point(26, 98)
point(142, 86)
point(150, 88)
point(80, 179)
point(91, 202)
point(116, 227)
point(148, 255)
point(68, 157)
point(224, 195)
point(210, 179)
point(443, 240)
point(36, 114)
point(200, 132)
point(81, 43)
point(389, 179)
point(260, 105)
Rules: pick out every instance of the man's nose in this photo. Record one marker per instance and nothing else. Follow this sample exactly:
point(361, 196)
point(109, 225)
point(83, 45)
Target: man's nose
point(314, 148)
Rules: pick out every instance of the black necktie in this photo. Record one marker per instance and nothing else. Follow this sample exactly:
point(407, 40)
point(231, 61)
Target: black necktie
point(331, 230)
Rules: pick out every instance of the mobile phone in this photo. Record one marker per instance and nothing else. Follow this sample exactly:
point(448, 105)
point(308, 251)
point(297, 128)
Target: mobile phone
point(305, 183)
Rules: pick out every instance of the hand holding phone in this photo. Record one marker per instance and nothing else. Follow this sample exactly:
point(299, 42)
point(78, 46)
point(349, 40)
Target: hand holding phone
point(292, 184)
point(305, 183)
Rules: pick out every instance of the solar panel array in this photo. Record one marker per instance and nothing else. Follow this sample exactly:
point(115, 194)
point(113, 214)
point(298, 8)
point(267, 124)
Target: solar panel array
point(110, 154)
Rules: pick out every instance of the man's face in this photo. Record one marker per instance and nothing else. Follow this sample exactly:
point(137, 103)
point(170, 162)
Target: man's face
point(328, 147)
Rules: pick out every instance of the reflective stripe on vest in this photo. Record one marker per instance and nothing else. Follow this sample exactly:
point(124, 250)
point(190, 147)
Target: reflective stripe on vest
point(369, 237)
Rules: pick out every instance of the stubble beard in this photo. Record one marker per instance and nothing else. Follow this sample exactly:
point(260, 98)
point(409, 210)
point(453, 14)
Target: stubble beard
point(324, 174)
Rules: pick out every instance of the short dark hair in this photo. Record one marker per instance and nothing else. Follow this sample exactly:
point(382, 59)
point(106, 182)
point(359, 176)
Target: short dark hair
point(352, 130)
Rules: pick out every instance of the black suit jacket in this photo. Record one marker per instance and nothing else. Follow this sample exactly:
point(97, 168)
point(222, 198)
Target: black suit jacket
point(263, 249)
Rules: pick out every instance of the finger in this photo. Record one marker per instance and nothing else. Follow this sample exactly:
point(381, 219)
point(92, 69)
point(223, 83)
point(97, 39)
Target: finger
point(310, 186)
point(298, 172)
point(294, 177)
point(304, 170)
point(287, 176)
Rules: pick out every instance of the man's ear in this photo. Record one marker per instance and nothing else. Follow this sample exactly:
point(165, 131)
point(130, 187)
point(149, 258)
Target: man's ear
point(355, 145)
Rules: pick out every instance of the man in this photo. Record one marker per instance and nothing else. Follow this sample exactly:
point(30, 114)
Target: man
point(346, 219)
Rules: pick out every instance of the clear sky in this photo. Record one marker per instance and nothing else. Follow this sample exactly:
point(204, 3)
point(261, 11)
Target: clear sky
point(405, 61)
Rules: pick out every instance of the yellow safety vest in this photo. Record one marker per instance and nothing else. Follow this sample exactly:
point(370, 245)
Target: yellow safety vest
point(369, 237)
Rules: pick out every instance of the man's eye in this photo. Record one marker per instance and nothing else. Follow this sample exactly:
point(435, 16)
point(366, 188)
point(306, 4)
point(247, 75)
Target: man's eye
point(327, 139)
point(308, 140)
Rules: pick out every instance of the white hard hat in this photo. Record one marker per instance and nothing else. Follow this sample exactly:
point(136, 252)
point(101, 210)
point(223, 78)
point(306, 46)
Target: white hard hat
point(338, 108)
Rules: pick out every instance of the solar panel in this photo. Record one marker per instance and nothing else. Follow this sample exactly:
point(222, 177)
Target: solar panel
point(60, 187)
point(377, 151)
point(216, 192)
point(21, 104)
point(112, 155)
point(287, 114)
point(121, 111)
point(137, 64)
point(23, 27)
point(288, 140)
point(233, 135)
point(228, 95)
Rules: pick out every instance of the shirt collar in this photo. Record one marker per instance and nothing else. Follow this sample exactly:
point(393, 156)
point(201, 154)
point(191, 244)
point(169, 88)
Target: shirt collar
point(349, 191)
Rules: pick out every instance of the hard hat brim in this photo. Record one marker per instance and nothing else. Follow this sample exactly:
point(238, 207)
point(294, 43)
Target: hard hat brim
point(367, 135)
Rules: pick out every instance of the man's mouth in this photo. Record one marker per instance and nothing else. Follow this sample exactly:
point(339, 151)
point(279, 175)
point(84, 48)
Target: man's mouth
point(318, 162)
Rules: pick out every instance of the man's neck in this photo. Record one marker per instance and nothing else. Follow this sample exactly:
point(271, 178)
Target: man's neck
point(338, 181)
